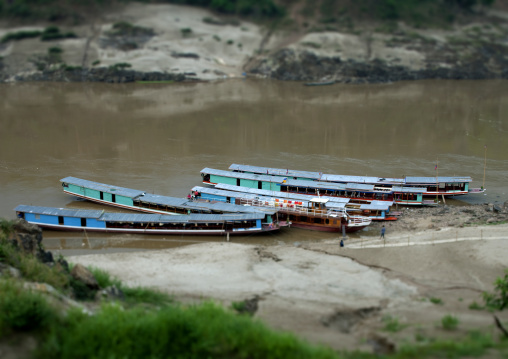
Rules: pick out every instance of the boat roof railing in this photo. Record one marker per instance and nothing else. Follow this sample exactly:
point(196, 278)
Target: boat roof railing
point(331, 202)
point(233, 190)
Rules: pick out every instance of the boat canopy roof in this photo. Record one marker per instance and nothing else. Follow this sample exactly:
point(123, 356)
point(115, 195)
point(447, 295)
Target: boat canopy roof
point(67, 212)
point(319, 176)
point(268, 193)
point(248, 176)
point(107, 188)
point(330, 185)
point(202, 206)
point(140, 217)
point(165, 200)
point(433, 180)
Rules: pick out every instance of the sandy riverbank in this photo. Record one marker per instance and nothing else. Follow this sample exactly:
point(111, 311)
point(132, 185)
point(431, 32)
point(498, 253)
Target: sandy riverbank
point(327, 294)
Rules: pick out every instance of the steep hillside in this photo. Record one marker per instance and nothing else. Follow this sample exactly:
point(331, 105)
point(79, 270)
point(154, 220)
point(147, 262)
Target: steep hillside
point(340, 40)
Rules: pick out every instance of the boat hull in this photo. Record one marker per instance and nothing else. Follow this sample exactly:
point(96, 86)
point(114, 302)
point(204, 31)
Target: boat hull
point(190, 232)
point(334, 229)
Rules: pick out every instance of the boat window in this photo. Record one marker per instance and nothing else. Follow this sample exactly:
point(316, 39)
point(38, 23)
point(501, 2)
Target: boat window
point(83, 221)
point(60, 220)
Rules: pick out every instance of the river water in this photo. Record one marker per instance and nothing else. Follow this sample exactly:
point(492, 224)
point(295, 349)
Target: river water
point(157, 138)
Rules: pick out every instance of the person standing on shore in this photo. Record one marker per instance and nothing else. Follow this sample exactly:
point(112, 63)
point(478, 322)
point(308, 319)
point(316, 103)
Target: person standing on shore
point(383, 230)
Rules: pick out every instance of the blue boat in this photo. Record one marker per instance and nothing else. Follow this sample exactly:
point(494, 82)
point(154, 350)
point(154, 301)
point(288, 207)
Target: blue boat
point(142, 223)
point(141, 201)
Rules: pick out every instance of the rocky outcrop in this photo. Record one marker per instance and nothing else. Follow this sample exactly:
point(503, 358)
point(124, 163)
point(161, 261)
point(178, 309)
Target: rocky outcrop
point(27, 238)
point(80, 273)
point(294, 65)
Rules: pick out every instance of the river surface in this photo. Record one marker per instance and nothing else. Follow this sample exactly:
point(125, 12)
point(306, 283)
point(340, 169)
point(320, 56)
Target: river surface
point(157, 138)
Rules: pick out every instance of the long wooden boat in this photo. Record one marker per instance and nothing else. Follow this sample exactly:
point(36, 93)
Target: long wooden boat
point(142, 201)
point(356, 192)
point(142, 223)
point(439, 185)
point(320, 214)
point(375, 210)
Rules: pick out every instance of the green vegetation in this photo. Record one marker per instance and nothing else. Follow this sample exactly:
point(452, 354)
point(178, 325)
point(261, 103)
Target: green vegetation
point(392, 324)
point(20, 35)
point(474, 345)
point(58, 10)
point(186, 31)
point(438, 301)
point(120, 66)
point(449, 322)
point(124, 28)
point(475, 306)
point(30, 267)
point(202, 331)
point(53, 33)
point(499, 299)
point(21, 309)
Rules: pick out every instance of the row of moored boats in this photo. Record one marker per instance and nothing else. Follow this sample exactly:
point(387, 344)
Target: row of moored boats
point(246, 200)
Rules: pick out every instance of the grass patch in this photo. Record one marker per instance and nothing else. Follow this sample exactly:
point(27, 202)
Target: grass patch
point(22, 310)
point(475, 344)
point(203, 331)
point(187, 31)
point(31, 268)
point(436, 301)
point(53, 33)
point(449, 322)
point(475, 306)
point(133, 295)
point(392, 324)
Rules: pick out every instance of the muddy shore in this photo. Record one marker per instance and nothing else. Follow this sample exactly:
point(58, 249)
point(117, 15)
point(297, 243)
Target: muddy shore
point(433, 262)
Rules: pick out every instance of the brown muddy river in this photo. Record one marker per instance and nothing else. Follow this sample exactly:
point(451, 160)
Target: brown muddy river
point(157, 138)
